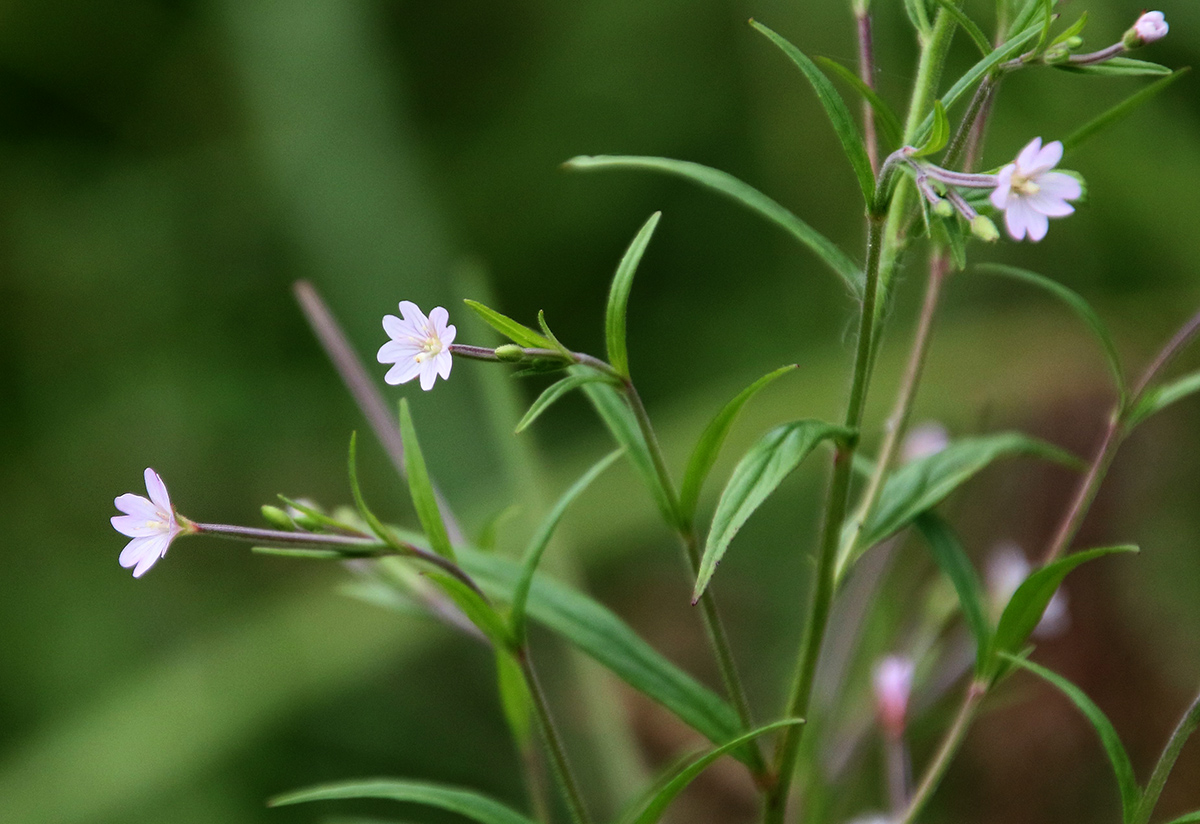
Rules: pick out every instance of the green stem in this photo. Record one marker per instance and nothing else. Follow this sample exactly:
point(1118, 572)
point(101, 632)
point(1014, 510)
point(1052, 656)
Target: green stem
point(558, 754)
point(839, 489)
point(946, 752)
point(1158, 779)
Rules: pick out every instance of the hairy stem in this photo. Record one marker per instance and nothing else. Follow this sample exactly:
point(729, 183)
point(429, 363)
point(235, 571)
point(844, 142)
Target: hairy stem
point(866, 70)
point(1158, 779)
point(554, 744)
point(976, 691)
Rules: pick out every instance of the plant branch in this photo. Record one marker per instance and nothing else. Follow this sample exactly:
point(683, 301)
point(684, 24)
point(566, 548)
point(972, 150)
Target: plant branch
point(976, 691)
point(866, 71)
point(558, 753)
point(1158, 779)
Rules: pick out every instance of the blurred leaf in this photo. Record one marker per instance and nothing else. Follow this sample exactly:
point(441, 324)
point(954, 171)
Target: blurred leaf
point(922, 484)
point(467, 803)
point(915, 9)
point(541, 540)
point(421, 488)
point(743, 193)
point(515, 699)
point(654, 808)
point(381, 530)
point(1117, 756)
point(319, 518)
point(886, 119)
point(1029, 602)
point(1025, 16)
point(952, 560)
point(602, 635)
point(516, 332)
point(486, 539)
point(707, 448)
point(473, 605)
point(1118, 67)
point(757, 475)
point(1160, 397)
point(835, 109)
point(555, 343)
point(1186, 818)
point(555, 391)
point(1120, 111)
point(1079, 306)
point(968, 25)
point(301, 553)
point(378, 594)
point(939, 135)
point(1071, 30)
point(618, 297)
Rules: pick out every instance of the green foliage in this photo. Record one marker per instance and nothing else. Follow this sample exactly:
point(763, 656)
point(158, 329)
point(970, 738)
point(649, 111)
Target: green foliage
point(952, 560)
point(1118, 67)
point(516, 332)
point(1158, 398)
point(1120, 111)
point(515, 698)
point(968, 25)
point(939, 135)
point(556, 390)
point(421, 487)
point(467, 803)
point(618, 297)
point(886, 118)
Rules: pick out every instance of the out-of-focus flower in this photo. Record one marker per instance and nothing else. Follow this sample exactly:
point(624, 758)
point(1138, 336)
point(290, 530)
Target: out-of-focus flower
point(892, 681)
point(150, 522)
point(1007, 569)
point(1149, 27)
point(419, 345)
point(924, 440)
point(1029, 193)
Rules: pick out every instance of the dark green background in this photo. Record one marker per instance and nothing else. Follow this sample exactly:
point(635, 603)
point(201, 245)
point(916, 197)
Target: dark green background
point(167, 170)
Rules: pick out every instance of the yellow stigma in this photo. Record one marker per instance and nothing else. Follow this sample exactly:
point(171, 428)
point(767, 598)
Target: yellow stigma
point(1024, 186)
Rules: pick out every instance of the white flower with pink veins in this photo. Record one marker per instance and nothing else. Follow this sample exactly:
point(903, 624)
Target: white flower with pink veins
point(1029, 193)
point(419, 345)
point(150, 522)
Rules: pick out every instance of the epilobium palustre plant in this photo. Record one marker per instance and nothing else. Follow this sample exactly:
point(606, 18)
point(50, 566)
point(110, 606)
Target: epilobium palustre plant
point(924, 197)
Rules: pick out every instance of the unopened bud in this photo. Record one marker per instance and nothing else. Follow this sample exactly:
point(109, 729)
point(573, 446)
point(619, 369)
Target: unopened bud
point(983, 228)
point(1073, 42)
point(1149, 27)
point(1057, 54)
point(892, 682)
point(276, 517)
point(510, 353)
point(942, 208)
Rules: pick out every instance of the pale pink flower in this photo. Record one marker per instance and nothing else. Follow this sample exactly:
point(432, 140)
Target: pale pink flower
point(892, 681)
point(419, 345)
point(1029, 193)
point(150, 522)
point(1151, 26)
point(924, 440)
point(1007, 569)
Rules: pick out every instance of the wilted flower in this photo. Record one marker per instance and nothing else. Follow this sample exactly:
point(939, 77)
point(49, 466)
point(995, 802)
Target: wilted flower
point(892, 681)
point(419, 345)
point(150, 522)
point(1149, 27)
point(1007, 569)
point(1028, 192)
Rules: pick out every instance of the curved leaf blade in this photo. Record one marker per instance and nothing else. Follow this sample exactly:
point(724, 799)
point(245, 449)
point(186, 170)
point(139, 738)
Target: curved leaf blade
point(728, 185)
point(757, 475)
point(421, 487)
point(541, 540)
point(952, 560)
point(1160, 397)
point(968, 25)
point(939, 135)
point(469, 803)
point(1080, 307)
point(618, 296)
point(1186, 818)
point(518, 333)
point(1119, 67)
point(887, 120)
point(709, 446)
point(552, 393)
point(1120, 111)
point(835, 109)
point(1117, 756)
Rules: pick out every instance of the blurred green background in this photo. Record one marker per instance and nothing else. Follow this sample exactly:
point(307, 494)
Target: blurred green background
point(167, 170)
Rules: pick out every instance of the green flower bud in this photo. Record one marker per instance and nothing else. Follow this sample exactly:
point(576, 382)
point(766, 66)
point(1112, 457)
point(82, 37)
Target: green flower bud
point(983, 228)
point(276, 517)
point(943, 208)
point(510, 353)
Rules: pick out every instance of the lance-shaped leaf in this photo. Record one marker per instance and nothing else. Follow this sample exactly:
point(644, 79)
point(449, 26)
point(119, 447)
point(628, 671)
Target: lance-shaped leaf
point(421, 488)
point(1186, 818)
point(1119, 67)
point(886, 118)
point(922, 484)
point(1120, 111)
point(1160, 397)
point(515, 699)
point(518, 333)
point(652, 809)
point(952, 560)
point(919, 17)
point(939, 135)
point(707, 448)
point(618, 297)
point(478, 611)
point(1028, 604)
point(745, 194)
point(757, 475)
point(1117, 756)
point(599, 633)
point(968, 25)
point(555, 391)
point(541, 540)
point(469, 803)
point(835, 109)
point(1077, 305)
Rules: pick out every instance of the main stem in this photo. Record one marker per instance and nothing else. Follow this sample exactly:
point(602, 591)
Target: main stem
point(835, 512)
point(1158, 779)
point(558, 753)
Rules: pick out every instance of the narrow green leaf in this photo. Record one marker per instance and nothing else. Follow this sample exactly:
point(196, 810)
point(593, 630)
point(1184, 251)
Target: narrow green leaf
point(478, 611)
point(554, 392)
point(1118, 67)
point(915, 9)
point(1025, 16)
point(541, 540)
point(377, 526)
point(599, 633)
point(1028, 604)
point(1071, 31)
point(1079, 306)
point(469, 803)
point(922, 484)
point(1121, 111)
point(318, 518)
point(421, 488)
point(952, 560)
point(1186, 818)
point(378, 594)
point(618, 297)
point(968, 25)
point(620, 420)
point(516, 332)
point(1047, 23)
point(709, 446)
point(747, 195)
point(486, 539)
point(939, 135)
point(1160, 397)
point(886, 118)
point(302, 553)
point(515, 699)
point(757, 475)
point(555, 343)
point(677, 783)
point(835, 109)
point(1117, 756)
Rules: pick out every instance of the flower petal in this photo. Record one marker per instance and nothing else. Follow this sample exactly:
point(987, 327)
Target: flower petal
point(446, 336)
point(395, 351)
point(402, 372)
point(1015, 219)
point(444, 361)
point(1049, 205)
point(137, 506)
point(157, 490)
point(155, 548)
point(135, 526)
point(397, 329)
point(1028, 156)
point(428, 373)
point(134, 550)
point(999, 195)
point(413, 315)
point(1037, 224)
point(1047, 158)
point(1060, 185)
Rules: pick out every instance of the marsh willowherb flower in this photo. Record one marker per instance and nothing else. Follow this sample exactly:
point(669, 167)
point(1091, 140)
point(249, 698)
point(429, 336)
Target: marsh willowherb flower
point(1029, 193)
point(419, 345)
point(1149, 27)
point(150, 522)
point(892, 682)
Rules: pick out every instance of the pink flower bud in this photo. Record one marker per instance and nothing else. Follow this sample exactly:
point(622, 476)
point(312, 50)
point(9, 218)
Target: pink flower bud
point(892, 681)
point(1149, 27)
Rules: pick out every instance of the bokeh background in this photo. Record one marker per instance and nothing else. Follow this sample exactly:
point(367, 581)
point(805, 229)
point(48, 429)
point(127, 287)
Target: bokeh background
point(168, 169)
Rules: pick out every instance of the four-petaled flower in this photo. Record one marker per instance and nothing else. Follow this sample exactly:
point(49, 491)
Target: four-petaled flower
point(1029, 193)
point(419, 345)
point(150, 522)
point(1151, 26)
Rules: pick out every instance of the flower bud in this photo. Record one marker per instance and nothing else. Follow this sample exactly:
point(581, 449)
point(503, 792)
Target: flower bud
point(892, 682)
point(983, 228)
point(1149, 27)
point(510, 353)
point(276, 517)
point(943, 209)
